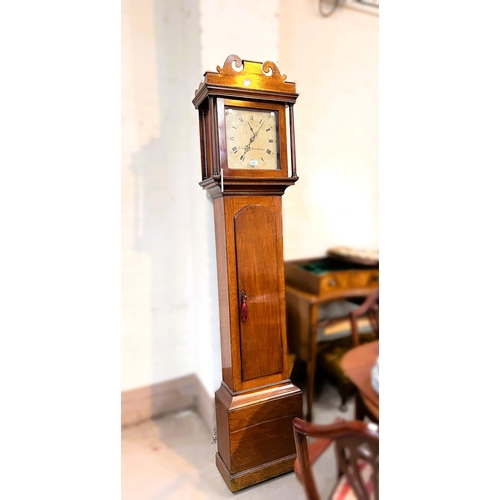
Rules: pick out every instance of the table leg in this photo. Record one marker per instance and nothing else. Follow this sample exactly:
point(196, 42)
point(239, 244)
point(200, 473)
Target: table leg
point(311, 363)
point(311, 367)
point(359, 407)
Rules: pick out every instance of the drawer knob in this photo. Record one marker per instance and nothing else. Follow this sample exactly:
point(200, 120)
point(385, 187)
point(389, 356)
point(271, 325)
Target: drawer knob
point(332, 282)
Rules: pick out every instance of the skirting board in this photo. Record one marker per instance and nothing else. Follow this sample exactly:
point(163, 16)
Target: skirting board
point(158, 399)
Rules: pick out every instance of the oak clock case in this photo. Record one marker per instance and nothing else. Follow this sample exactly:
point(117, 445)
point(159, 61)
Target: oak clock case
point(244, 164)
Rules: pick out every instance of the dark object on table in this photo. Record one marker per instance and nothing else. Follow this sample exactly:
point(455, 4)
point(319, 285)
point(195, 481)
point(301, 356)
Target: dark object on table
point(357, 452)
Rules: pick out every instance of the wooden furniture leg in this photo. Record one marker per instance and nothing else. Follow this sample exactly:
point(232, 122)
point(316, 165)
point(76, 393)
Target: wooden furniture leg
point(311, 367)
point(359, 407)
point(311, 363)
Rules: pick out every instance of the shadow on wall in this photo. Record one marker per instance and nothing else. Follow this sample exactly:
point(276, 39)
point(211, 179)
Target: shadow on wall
point(173, 219)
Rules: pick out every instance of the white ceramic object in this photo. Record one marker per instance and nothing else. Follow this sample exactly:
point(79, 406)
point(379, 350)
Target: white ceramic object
point(375, 376)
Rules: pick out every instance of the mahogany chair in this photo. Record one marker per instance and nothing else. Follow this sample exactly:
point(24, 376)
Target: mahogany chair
point(357, 452)
point(368, 309)
point(330, 355)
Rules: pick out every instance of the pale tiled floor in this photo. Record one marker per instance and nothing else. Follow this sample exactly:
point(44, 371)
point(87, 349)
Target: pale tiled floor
point(174, 458)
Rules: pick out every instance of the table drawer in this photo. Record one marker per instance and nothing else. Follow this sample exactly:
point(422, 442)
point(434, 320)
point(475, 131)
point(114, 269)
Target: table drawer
point(320, 276)
point(347, 279)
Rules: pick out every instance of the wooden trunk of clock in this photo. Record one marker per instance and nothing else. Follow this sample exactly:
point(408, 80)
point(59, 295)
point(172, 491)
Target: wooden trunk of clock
point(256, 402)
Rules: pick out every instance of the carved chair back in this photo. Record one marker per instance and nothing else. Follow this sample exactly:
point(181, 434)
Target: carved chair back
point(357, 452)
point(369, 309)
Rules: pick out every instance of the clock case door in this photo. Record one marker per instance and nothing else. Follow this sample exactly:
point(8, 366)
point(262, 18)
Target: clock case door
point(279, 108)
point(254, 348)
point(258, 279)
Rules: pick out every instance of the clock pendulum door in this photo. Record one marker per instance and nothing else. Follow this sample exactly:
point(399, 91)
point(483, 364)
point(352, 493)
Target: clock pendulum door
point(256, 402)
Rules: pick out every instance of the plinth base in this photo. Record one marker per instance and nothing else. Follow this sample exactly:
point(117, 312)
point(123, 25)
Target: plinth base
point(236, 482)
point(255, 433)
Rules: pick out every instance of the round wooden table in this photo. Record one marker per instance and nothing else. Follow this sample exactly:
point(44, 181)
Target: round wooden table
point(357, 365)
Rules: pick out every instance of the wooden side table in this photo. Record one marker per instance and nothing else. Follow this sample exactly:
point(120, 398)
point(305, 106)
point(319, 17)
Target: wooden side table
point(303, 325)
point(357, 365)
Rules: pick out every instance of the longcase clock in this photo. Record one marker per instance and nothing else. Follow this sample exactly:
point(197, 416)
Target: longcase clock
point(246, 115)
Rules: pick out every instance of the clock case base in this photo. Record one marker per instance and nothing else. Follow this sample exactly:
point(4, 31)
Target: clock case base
point(255, 433)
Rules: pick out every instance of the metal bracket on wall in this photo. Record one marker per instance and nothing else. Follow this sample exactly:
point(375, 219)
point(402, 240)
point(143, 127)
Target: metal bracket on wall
point(328, 7)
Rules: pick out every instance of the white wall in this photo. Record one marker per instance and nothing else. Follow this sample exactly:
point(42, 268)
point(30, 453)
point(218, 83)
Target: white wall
point(169, 291)
point(166, 236)
point(170, 322)
point(334, 62)
point(225, 30)
point(247, 29)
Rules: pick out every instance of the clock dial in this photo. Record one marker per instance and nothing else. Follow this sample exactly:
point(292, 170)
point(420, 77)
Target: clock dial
point(252, 139)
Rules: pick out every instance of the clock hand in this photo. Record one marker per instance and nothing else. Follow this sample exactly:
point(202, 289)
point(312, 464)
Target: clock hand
point(254, 135)
point(247, 147)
